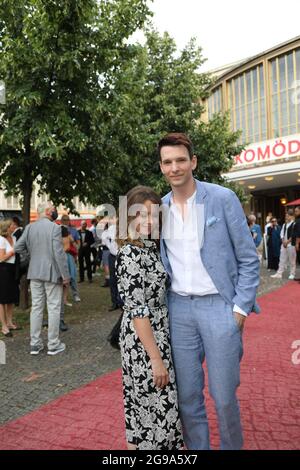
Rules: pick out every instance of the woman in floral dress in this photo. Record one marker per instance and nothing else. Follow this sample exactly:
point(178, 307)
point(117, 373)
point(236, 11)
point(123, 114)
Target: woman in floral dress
point(150, 396)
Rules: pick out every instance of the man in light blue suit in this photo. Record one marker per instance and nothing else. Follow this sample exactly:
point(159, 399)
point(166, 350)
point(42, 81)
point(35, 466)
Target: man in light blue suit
point(208, 251)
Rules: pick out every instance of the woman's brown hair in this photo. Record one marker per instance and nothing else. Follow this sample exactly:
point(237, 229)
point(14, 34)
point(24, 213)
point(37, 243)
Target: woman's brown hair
point(136, 195)
point(4, 226)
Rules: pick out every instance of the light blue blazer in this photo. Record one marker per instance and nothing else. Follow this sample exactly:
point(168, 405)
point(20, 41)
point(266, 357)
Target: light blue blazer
point(227, 249)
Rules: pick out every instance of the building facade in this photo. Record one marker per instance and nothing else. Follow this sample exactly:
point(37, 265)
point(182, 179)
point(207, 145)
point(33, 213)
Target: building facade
point(10, 205)
point(262, 95)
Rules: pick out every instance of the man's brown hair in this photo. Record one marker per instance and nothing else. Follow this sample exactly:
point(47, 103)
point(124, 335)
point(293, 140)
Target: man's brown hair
point(176, 138)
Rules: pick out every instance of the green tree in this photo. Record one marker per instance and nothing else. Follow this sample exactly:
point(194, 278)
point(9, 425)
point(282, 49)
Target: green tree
point(158, 91)
point(56, 59)
point(85, 108)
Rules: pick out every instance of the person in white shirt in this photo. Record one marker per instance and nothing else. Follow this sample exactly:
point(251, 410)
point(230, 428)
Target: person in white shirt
point(9, 291)
point(109, 240)
point(288, 252)
point(268, 223)
point(101, 229)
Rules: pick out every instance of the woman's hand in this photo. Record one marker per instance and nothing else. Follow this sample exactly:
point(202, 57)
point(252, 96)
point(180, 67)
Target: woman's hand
point(10, 254)
point(144, 331)
point(160, 373)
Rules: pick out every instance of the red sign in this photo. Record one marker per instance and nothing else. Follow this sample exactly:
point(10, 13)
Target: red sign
point(270, 150)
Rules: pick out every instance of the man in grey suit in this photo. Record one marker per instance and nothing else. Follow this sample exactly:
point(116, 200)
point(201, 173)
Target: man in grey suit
point(47, 272)
point(208, 251)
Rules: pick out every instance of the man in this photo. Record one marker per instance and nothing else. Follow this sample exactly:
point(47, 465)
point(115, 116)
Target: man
point(86, 241)
point(109, 239)
point(214, 271)
point(256, 234)
point(287, 250)
point(65, 232)
point(95, 246)
point(47, 272)
point(255, 230)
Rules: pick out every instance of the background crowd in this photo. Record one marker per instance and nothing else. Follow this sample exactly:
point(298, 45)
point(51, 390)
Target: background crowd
point(91, 249)
point(279, 243)
point(87, 251)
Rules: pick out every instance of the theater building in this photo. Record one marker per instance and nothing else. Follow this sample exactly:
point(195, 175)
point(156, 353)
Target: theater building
point(262, 95)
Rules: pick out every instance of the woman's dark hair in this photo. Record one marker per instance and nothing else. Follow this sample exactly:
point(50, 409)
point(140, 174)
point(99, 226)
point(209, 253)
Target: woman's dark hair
point(17, 221)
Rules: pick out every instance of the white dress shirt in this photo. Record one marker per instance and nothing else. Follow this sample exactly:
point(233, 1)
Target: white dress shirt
point(189, 276)
point(109, 239)
point(284, 231)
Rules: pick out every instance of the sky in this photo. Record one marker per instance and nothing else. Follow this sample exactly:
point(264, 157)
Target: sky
point(228, 30)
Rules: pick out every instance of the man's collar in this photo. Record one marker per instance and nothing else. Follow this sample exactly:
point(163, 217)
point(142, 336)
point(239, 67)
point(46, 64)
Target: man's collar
point(200, 194)
point(189, 201)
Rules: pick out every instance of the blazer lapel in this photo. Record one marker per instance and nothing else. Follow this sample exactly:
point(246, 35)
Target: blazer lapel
point(163, 249)
point(201, 202)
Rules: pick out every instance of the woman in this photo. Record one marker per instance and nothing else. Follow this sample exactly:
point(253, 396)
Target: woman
point(9, 294)
point(273, 244)
point(256, 234)
point(68, 243)
point(150, 396)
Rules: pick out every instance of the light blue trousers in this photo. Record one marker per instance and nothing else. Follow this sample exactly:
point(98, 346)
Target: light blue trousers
point(204, 328)
point(73, 275)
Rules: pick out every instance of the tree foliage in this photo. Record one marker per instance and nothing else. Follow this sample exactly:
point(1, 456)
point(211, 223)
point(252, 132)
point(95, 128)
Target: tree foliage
point(54, 57)
point(160, 91)
point(85, 108)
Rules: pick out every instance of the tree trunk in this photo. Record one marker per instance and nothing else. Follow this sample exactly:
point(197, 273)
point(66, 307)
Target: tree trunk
point(27, 192)
point(24, 296)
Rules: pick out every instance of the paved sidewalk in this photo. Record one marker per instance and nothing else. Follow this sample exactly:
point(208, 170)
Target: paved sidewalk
point(91, 417)
point(27, 382)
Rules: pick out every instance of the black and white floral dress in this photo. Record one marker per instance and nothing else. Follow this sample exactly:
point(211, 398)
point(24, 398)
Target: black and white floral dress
point(151, 414)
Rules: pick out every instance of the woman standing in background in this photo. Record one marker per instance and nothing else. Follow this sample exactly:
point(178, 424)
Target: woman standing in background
point(273, 244)
point(9, 291)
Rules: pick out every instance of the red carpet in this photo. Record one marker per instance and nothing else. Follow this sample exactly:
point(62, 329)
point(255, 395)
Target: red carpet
point(92, 416)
